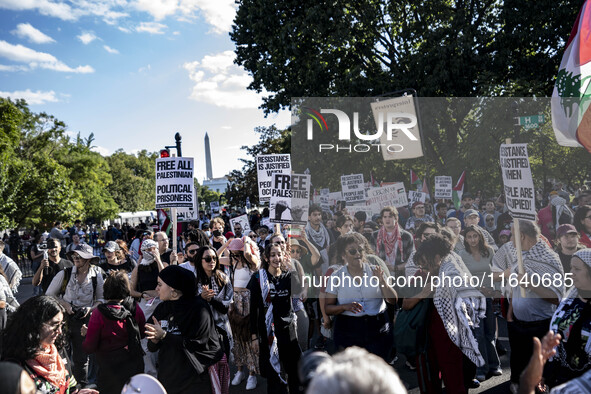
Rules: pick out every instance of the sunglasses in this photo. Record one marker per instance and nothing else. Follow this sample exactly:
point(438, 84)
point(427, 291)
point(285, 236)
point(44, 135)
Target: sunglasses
point(192, 251)
point(208, 259)
point(354, 251)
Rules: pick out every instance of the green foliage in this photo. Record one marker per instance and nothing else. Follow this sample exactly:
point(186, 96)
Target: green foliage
point(133, 180)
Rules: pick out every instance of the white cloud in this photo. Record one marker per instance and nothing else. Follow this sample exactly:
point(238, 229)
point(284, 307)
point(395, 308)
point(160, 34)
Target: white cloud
point(33, 98)
point(21, 54)
point(11, 68)
point(144, 69)
point(124, 29)
point(101, 150)
point(45, 7)
point(218, 13)
point(226, 127)
point(176, 33)
point(220, 82)
point(28, 32)
point(110, 50)
point(151, 27)
point(87, 37)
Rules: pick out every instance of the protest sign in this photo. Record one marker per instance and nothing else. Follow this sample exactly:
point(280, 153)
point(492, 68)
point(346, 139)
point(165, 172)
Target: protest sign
point(443, 187)
point(353, 188)
point(267, 165)
point(398, 121)
point(334, 197)
point(394, 195)
point(290, 198)
point(174, 183)
point(517, 181)
point(214, 206)
point(416, 196)
point(324, 196)
point(242, 220)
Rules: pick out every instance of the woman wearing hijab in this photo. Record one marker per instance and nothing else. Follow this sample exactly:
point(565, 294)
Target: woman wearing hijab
point(114, 333)
point(273, 321)
point(572, 320)
point(34, 339)
point(182, 326)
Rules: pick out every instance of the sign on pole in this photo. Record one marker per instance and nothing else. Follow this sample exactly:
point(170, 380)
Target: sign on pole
point(267, 165)
point(394, 195)
point(353, 188)
point(443, 187)
point(324, 204)
point(174, 183)
point(517, 181)
point(214, 206)
point(290, 198)
point(398, 117)
point(531, 122)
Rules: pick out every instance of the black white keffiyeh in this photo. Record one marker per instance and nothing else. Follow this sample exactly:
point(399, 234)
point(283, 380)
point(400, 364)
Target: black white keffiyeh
point(541, 261)
point(12, 271)
point(273, 350)
point(460, 307)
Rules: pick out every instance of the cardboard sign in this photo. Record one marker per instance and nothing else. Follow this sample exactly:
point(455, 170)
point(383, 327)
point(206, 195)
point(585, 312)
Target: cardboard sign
point(241, 220)
point(324, 199)
point(267, 165)
point(290, 198)
point(416, 196)
point(517, 181)
point(443, 187)
point(394, 195)
point(397, 118)
point(174, 183)
point(353, 188)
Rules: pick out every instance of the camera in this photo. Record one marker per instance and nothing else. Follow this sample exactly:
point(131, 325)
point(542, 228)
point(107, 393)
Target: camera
point(43, 247)
point(79, 313)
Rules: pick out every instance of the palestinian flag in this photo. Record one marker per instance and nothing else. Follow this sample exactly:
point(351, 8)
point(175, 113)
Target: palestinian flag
point(373, 181)
point(164, 221)
point(458, 190)
point(425, 187)
point(571, 98)
point(414, 180)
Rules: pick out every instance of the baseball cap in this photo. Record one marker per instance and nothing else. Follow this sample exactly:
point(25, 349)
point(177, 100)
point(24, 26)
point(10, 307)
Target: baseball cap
point(470, 212)
point(564, 229)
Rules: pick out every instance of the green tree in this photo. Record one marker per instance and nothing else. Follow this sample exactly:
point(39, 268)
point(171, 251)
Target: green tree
point(133, 180)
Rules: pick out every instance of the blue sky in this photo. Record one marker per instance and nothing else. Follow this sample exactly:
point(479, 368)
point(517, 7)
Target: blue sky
point(134, 72)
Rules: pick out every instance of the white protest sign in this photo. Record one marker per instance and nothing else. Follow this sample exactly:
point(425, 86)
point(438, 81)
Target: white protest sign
point(242, 221)
point(443, 187)
point(324, 199)
point(353, 188)
point(517, 181)
point(290, 198)
point(174, 183)
point(394, 195)
point(334, 197)
point(214, 206)
point(414, 196)
point(397, 120)
point(267, 165)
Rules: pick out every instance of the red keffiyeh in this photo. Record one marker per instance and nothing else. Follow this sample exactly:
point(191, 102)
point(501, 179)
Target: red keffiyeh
point(389, 241)
point(50, 366)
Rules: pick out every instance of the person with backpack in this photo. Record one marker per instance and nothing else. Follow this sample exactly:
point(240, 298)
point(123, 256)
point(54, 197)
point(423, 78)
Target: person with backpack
point(114, 333)
point(79, 290)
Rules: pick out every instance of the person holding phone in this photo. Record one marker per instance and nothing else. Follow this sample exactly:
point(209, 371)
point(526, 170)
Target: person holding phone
point(361, 317)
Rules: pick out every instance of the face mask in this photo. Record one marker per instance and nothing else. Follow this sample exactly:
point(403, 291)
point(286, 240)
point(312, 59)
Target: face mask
point(217, 233)
point(147, 258)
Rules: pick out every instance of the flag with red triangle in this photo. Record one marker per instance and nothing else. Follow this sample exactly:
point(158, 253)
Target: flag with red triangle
point(425, 187)
point(414, 180)
point(373, 181)
point(164, 220)
point(458, 190)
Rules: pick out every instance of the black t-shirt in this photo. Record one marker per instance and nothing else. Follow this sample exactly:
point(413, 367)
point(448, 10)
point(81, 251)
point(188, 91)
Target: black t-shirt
point(52, 270)
point(165, 257)
point(565, 260)
point(280, 293)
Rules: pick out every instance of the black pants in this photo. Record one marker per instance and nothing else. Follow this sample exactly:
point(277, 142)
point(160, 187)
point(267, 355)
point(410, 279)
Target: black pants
point(79, 357)
point(373, 333)
point(521, 336)
point(289, 355)
point(116, 368)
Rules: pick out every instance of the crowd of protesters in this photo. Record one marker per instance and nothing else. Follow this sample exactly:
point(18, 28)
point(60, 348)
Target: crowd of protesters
point(258, 298)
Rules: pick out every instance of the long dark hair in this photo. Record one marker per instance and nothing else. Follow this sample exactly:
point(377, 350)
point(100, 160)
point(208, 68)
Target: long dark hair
point(579, 217)
point(267, 254)
point(483, 247)
point(435, 245)
point(21, 340)
point(217, 273)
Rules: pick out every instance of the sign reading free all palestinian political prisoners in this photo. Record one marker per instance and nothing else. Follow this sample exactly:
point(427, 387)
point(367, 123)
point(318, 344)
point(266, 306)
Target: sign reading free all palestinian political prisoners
point(443, 187)
point(353, 188)
point(174, 183)
point(290, 198)
point(267, 165)
point(517, 181)
point(394, 195)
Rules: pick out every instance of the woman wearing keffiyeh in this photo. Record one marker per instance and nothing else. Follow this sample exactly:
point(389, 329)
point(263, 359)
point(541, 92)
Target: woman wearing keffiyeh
point(453, 311)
